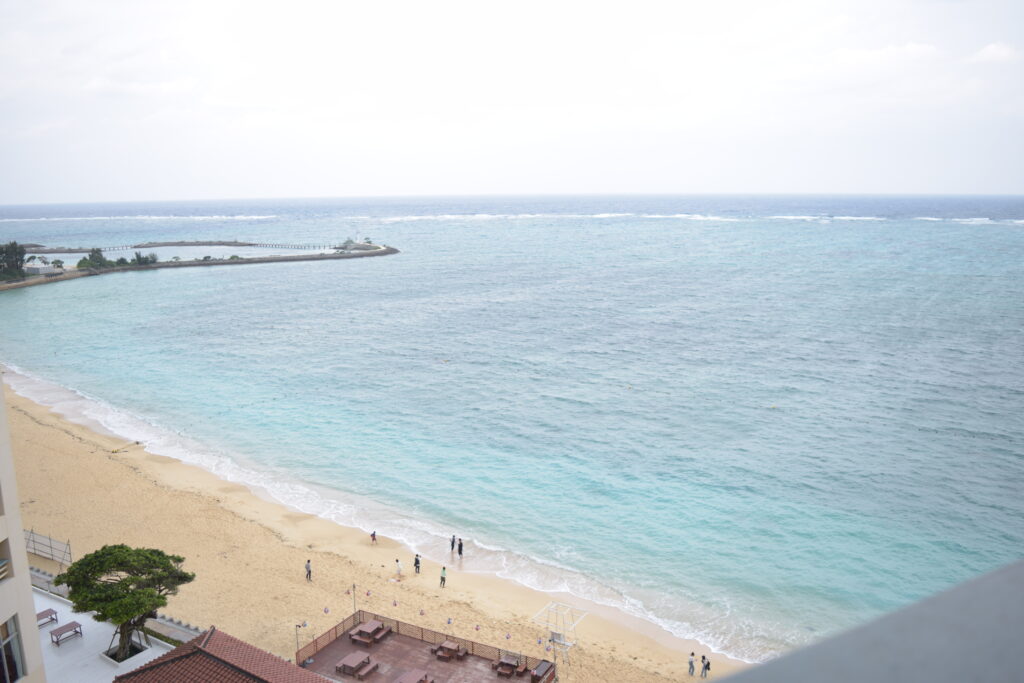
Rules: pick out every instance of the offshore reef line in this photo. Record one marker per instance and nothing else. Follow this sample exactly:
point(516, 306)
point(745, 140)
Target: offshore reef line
point(361, 251)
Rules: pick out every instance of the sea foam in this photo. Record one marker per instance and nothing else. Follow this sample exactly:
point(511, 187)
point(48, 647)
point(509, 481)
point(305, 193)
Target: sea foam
point(423, 536)
point(138, 218)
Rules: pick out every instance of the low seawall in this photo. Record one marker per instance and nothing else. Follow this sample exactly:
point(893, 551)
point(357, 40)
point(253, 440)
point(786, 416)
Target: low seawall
point(75, 274)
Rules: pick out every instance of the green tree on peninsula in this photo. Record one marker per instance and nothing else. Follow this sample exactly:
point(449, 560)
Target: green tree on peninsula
point(140, 260)
point(95, 259)
point(12, 260)
point(124, 586)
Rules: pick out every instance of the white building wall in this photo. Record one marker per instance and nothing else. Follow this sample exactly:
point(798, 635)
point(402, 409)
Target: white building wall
point(16, 588)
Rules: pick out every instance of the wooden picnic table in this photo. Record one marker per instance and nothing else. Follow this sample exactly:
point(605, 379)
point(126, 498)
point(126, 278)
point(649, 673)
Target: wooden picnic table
point(413, 676)
point(511, 660)
point(450, 646)
point(370, 627)
point(352, 662)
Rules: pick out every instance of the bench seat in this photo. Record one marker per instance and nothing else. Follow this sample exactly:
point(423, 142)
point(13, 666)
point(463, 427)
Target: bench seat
point(46, 616)
point(68, 630)
point(367, 669)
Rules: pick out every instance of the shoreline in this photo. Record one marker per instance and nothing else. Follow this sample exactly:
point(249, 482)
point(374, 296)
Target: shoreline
point(382, 250)
point(60, 499)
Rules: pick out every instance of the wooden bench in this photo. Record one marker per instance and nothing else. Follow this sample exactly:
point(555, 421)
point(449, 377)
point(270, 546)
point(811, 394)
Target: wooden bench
point(522, 668)
point(444, 656)
point(46, 616)
point(379, 636)
point(367, 669)
point(68, 630)
point(461, 652)
point(356, 638)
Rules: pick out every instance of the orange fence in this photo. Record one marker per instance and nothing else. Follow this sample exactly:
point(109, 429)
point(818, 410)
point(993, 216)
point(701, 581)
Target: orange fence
point(425, 634)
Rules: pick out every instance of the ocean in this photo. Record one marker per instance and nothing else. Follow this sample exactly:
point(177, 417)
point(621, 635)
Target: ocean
point(752, 420)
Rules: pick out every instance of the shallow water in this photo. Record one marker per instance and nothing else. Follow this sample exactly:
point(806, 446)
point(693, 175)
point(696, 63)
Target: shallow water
point(752, 420)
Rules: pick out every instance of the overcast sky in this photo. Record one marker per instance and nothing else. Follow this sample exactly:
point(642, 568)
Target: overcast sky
point(131, 100)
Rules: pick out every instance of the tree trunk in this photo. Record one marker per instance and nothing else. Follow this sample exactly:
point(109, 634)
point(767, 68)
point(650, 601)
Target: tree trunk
point(124, 642)
point(125, 632)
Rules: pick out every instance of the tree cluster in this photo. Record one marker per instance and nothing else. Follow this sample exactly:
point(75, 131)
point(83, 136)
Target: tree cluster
point(12, 261)
point(95, 260)
point(148, 259)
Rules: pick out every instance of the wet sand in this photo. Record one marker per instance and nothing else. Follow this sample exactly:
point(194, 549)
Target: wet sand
point(248, 555)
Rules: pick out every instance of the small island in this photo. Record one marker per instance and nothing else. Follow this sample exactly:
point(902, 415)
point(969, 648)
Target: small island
point(25, 265)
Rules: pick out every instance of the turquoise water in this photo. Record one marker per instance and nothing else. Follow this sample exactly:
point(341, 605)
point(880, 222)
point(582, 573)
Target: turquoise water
point(752, 420)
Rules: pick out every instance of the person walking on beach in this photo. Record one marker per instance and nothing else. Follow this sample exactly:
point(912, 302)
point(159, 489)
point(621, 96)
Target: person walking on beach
point(444, 573)
point(309, 571)
point(460, 548)
point(691, 663)
point(398, 569)
point(373, 537)
point(705, 666)
point(416, 563)
point(453, 543)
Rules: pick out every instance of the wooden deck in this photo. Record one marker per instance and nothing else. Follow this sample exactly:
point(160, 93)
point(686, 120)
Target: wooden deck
point(399, 653)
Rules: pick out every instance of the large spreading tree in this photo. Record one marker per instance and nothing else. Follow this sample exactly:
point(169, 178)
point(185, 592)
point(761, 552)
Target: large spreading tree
point(124, 586)
point(12, 260)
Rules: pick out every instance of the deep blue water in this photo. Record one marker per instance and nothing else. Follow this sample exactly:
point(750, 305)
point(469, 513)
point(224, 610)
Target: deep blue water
point(754, 420)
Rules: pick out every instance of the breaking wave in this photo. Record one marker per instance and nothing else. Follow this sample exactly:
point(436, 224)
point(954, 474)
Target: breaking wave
point(138, 218)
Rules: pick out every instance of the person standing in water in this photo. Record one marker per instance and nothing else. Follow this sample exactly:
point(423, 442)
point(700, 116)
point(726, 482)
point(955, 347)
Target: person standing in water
point(460, 548)
point(453, 543)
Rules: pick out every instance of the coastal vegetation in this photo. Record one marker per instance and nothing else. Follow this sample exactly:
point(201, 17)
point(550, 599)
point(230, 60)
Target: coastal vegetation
point(148, 259)
point(125, 586)
point(95, 260)
point(12, 261)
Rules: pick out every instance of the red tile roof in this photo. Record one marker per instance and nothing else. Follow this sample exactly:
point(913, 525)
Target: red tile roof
point(216, 657)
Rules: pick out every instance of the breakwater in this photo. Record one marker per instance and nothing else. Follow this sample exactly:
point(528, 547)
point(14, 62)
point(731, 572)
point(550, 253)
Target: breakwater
point(75, 274)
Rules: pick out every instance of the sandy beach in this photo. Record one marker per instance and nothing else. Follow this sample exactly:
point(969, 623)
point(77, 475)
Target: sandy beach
point(248, 555)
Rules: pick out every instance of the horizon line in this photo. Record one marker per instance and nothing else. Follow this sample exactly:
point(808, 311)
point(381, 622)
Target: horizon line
point(522, 195)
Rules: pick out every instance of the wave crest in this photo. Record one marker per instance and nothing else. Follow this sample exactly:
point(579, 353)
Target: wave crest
point(139, 218)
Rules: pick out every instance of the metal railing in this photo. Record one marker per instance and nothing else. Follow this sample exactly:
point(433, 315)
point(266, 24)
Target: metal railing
point(49, 548)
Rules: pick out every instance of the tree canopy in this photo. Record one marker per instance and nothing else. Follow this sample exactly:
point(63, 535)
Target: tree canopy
point(124, 586)
point(95, 259)
point(12, 260)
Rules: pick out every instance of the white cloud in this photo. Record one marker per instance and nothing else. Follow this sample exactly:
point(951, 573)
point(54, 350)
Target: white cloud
point(888, 56)
point(320, 97)
point(995, 52)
